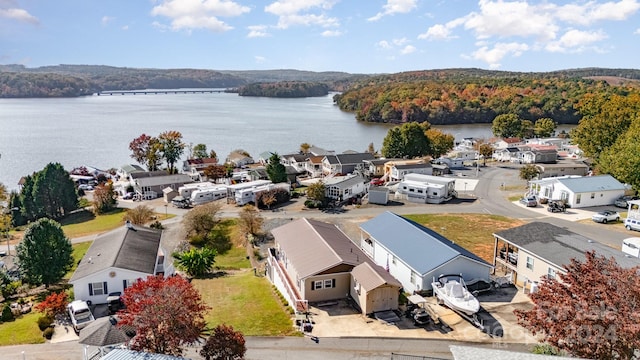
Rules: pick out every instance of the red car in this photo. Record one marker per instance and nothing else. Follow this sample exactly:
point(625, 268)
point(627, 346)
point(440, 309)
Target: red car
point(377, 182)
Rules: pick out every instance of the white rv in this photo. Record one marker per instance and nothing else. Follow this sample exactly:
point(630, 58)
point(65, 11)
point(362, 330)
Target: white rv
point(246, 196)
point(209, 194)
point(233, 189)
point(187, 189)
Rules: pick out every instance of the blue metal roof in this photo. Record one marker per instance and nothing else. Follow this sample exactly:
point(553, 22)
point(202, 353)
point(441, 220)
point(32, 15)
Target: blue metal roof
point(591, 183)
point(420, 247)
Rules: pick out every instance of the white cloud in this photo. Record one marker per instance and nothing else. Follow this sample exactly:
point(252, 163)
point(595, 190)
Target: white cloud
point(302, 13)
point(18, 14)
point(395, 7)
point(637, 32)
point(493, 56)
point(106, 20)
point(575, 41)
point(260, 59)
point(256, 31)
point(331, 33)
point(125, 27)
point(400, 42)
point(408, 50)
point(436, 32)
point(199, 14)
point(591, 12)
point(383, 44)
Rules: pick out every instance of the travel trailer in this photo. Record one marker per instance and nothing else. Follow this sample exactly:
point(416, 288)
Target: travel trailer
point(246, 196)
point(209, 194)
point(186, 190)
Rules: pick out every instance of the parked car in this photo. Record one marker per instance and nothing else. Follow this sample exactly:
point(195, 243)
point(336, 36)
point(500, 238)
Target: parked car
point(114, 302)
point(85, 187)
point(127, 196)
point(80, 314)
point(622, 202)
point(529, 201)
point(632, 224)
point(606, 216)
point(377, 182)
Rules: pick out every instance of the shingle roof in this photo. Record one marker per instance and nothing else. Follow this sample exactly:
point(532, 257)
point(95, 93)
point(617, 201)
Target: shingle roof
point(126, 354)
point(371, 276)
point(357, 158)
point(343, 181)
point(558, 245)
point(132, 248)
point(418, 246)
point(164, 180)
point(591, 183)
point(314, 246)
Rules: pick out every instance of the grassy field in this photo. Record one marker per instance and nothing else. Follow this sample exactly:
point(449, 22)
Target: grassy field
point(247, 303)
point(476, 235)
point(79, 249)
point(85, 222)
point(23, 330)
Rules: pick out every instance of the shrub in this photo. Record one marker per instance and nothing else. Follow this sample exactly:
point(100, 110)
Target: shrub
point(44, 322)
point(54, 304)
point(156, 225)
point(7, 315)
point(48, 333)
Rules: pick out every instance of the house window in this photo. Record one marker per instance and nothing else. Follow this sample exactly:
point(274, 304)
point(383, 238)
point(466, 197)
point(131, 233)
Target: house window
point(128, 283)
point(593, 195)
point(529, 263)
point(551, 273)
point(393, 259)
point(98, 288)
point(316, 285)
point(578, 196)
point(413, 277)
point(330, 283)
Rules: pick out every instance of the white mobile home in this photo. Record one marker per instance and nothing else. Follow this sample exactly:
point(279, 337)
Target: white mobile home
point(233, 189)
point(426, 189)
point(579, 191)
point(187, 189)
point(209, 194)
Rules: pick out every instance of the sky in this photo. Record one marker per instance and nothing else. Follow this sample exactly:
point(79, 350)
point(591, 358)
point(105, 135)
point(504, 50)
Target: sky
point(354, 36)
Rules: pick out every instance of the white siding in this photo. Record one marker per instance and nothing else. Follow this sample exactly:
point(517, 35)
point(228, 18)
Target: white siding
point(114, 283)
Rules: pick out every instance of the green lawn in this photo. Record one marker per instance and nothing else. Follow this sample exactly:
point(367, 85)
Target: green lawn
point(85, 222)
point(79, 250)
point(476, 235)
point(23, 330)
point(234, 259)
point(245, 302)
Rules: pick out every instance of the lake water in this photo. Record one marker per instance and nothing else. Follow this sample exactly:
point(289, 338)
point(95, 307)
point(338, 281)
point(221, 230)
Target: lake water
point(96, 130)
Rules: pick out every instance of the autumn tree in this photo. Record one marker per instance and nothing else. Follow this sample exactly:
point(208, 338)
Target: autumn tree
point(171, 147)
point(54, 304)
point(44, 254)
point(224, 344)
point(105, 198)
point(371, 149)
point(139, 215)
point(440, 143)
point(592, 311)
point(200, 221)
point(146, 151)
point(250, 220)
point(167, 314)
point(275, 170)
point(506, 126)
point(545, 127)
point(316, 192)
point(196, 262)
point(486, 150)
point(304, 148)
point(215, 172)
point(622, 159)
point(406, 141)
point(529, 172)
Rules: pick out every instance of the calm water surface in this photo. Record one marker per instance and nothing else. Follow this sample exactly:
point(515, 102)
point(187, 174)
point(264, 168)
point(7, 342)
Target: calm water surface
point(96, 131)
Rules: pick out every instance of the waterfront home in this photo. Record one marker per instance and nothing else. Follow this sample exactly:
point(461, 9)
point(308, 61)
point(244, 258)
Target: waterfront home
point(579, 191)
point(151, 184)
point(118, 258)
point(343, 164)
point(313, 166)
point(415, 254)
point(195, 167)
point(126, 170)
point(314, 262)
point(539, 249)
point(297, 161)
point(239, 159)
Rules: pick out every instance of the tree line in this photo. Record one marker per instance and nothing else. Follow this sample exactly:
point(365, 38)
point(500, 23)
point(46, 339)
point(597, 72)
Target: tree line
point(285, 89)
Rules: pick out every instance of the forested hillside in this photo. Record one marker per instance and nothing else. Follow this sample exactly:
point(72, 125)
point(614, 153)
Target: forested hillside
point(285, 89)
point(463, 96)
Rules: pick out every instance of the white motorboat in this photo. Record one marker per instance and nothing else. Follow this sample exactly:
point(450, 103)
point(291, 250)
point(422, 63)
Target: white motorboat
point(452, 291)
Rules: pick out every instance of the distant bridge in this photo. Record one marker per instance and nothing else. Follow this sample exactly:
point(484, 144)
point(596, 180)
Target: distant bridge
point(159, 92)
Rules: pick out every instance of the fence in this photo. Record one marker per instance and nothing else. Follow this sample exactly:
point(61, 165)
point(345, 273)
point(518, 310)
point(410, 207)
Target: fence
point(395, 356)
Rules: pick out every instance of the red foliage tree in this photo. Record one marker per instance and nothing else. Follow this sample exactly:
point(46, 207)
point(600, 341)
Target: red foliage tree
point(593, 311)
point(54, 304)
point(224, 344)
point(165, 312)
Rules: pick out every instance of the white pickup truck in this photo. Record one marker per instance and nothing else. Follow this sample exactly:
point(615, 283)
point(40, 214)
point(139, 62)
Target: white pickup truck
point(80, 314)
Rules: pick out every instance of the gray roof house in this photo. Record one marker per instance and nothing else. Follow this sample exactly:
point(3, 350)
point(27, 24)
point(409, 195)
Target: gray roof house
point(539, 249)
point(150, 184)
point(341, 188)
point(579, 191)
point(117, 259)
point(415, 254)
point(312, 261)
point(344, 163)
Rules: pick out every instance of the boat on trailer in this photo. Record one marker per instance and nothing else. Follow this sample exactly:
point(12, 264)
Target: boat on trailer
point(452, 291)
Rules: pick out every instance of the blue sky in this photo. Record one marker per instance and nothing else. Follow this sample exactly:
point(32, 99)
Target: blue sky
point(356, 36)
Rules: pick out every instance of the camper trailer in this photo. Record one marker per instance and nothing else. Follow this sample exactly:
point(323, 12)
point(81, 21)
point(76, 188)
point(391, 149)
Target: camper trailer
point(232, 190)
point(209, 194)
point(246, 196)
point(186, 190)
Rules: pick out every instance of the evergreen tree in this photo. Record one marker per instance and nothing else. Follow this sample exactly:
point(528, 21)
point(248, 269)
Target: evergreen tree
point(275, 170)
point(48, 193)
point(406, 141)
point(44, 254)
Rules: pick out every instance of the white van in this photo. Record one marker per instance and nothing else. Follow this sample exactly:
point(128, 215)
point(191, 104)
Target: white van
point(80, 314)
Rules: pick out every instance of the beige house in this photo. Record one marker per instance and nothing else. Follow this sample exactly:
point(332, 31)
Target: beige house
point(313, 261)
point(539, 249)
